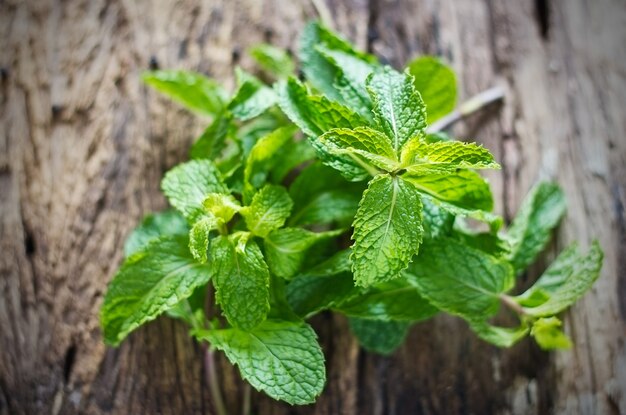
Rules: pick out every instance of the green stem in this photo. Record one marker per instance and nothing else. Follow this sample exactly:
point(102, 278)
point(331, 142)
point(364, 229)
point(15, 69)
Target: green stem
point(512, 304)
point(212, 381)
point(470, 106)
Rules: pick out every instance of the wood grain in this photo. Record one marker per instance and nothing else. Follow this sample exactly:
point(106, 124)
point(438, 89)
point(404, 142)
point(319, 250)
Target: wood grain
point(83, 145)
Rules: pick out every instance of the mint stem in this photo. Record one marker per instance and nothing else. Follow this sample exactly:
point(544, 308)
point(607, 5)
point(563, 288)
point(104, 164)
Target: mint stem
point(212, 381)
point(512, 304)
point(246, 400)
point(470, 106)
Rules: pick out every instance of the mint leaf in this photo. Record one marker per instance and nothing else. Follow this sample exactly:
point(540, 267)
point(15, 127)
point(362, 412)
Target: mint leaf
point(436, 221)
point(350, 77)
point(148, 283)
point(194, 91)
point(241, 281)
point(548, 335)
point(293, 155)
point(285, 249)
point(275, 61)
point(398, 300)
point(566, 280)
point(252, 99)
point(318, 69)
point(398, 108)
point(213, 140)
point(221, 207)
point(199, 238)
point(420, 157)
point(314, 115)
point(269, 209)
point(280, 358)
point(153, 226)
point(321, 287)
point(187, 185)
point(263, 155)
point(361, 143)
point(436, 83)
point(465, 189)
point(540, 213)
point(461, 280)
point(494, 221)
point(382, 337)
point(322, 196)
point(387, 230)
point(499, 336)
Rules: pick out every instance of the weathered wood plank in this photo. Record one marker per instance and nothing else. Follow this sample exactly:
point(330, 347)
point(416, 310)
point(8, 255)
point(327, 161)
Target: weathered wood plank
point(83, 146)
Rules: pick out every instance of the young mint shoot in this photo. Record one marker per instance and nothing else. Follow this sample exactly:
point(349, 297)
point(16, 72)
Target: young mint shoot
point(331, 194)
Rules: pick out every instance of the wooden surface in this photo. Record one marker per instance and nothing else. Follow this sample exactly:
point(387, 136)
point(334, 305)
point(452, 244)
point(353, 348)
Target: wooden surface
point(83, 146)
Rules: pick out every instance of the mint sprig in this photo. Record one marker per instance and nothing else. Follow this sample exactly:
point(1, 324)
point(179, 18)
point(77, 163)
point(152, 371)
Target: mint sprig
point(330, 194)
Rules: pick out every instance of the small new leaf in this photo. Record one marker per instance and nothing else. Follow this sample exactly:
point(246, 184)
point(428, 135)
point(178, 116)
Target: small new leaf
point(420, 157)
point(398, 108)
point(280, 358)
point(194, 91)
point(269, 210)
point(187, 185)
point(220, 206)
point(263, 155)
point(364, 144)
point(241, 281)
point(387, 230)
point(275, 61)
point(548, 334)
point(252, 98)
point(199, 237)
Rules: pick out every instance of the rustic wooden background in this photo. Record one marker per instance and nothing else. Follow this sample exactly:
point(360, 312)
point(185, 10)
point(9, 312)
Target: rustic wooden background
point(83, 145)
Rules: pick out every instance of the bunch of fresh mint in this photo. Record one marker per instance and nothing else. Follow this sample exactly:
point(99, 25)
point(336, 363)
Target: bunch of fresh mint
point(282, 178)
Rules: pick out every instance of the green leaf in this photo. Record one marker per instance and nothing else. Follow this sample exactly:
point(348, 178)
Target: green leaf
point(280, 358)
point(220, 206)
point(547, 332)
point(322, 196)
point(361, 143)
point(420, 157)
point(461, 280)
point(398, 107)
point(387, 230)
point(315, 115)
point(275, 61)
point(436, 221)
point(252, 99)
point(153, 226)
point(213, 140)
point(382, 337)
point(566, 280)
point(148, 283)
point(465, 189)
point(436, 83)
point(285, 249)
point(491, 243)
point(293, 155)
point(194, 91)
point(199, 238)
point(499, 336)
point(241, 281)
point(269, 209)
point(494, 221)
point(318, 69)
point(187, 185)
point(540, 213)
point(262, 157)
point(350, 77)
point(321, 287)
point(398, 300)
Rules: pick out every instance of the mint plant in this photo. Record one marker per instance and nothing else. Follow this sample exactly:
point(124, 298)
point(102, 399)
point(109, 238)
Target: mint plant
point(333, 193)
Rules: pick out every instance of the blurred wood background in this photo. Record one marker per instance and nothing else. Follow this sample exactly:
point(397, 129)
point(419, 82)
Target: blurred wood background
point(83, 145)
